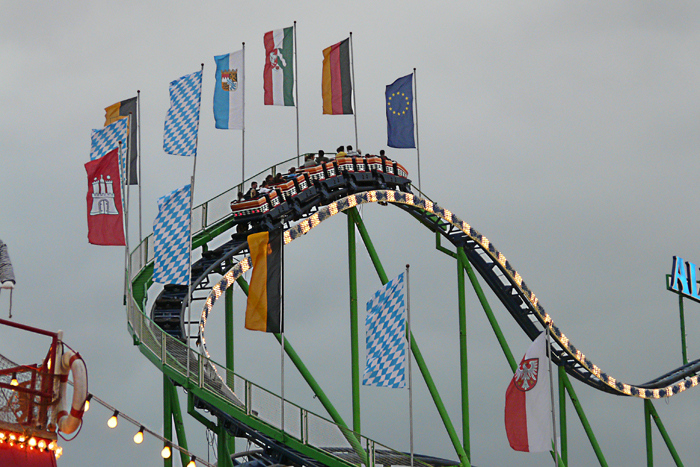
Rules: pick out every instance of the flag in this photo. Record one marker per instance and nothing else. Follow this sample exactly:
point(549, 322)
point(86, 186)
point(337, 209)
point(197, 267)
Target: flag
point(386, 332)
point(335, 83)
point(528, 402)
point(171, 238)
point(107, 138)
point(278, 74)
point(119, 111)
point(264, 309)
point(399, 113)
point(182, 119)
point(104, 201)
point(229, 91)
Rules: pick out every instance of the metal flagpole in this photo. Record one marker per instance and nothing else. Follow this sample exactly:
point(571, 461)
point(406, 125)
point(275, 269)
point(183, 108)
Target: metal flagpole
point(551, 390)
point(415, 103)
point(126, 223)
point(128, 199)
point(408, 352)
point(282, 326)
point(189, 285)
point(243, 130)
point(296, 89)
point(138, 156)
point(354, 91)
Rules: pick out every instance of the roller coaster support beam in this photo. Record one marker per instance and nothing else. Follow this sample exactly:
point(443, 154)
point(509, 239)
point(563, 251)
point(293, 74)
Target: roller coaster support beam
point(584, 420)
point(650, 413)
point(647, 431)
point(463, 361)
point(564, 447)
point(315, 387)
point(463, 457)
point(179, 424)
point(229, 350)
point(167, 417)
point(354, 326)
point(487, 309)
point(223, 454)
point(683, 344)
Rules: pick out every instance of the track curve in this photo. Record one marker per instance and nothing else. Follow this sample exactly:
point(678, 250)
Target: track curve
point(496, 270)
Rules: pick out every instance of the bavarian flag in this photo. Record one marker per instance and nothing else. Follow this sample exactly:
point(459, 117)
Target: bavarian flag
point(123, 109)
point(264, 310)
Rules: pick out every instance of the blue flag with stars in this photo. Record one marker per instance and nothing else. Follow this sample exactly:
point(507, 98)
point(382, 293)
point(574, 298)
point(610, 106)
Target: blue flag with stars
point(182, 119)
point(399, 113)
point(386, 332)
point(171, 238)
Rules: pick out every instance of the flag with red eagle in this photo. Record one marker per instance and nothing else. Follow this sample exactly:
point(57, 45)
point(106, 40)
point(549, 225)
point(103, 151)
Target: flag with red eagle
point(528, 402)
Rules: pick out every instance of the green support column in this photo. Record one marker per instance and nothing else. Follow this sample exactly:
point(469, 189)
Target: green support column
point(647, 431)
point(584, 420)
point(354, 327)
point(224, 456)
point(664, 433)
point(179, 423)
point(562, 417)
point(167, 417)
point(463, 362)
point(228, 297)
point(683, 344)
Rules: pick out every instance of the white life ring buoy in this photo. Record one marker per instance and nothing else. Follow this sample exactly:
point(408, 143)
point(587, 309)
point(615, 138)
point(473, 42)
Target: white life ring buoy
point(72, 362)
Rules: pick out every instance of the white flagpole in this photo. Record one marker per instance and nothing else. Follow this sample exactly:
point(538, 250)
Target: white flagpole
point(282, 326)
point(189, 285)
point(243, 130)
point(354, 91)
point(138, 156)
point(408, 351)
point(551, 390)
point(296, 89)
point(126, 219)
point(415, 103)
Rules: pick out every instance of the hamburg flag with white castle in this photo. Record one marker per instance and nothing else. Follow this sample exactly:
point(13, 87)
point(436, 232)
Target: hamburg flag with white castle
point(386, 336)
point(104, 201)
point(528, 402)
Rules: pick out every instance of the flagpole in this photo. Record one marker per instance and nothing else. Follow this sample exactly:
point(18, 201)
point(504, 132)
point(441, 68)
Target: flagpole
point(189, 282)
point(138, 156)
point(408, 351)
point(415, 103)
point(354, 90)
point(282, 325)
point(296, 89)
point(128, 200)
point(126, 225)
point(243, 129)
point(551, 390)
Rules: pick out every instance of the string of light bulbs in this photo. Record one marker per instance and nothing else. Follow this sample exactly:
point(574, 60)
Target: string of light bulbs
point(168, 445)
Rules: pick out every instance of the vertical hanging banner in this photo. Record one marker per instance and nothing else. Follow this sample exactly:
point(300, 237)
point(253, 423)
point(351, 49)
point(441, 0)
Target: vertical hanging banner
point(386, 336)
point(182, 119)
point(335, 83)
point(528, 402)
point(104, 201)
point(229, 91)
point(121, 110)
point(399, 113)
point(105, 139)
point(171, 238)
point(278, 74)
point(264, 308)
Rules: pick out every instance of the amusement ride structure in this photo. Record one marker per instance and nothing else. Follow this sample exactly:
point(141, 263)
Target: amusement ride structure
point(283, 432)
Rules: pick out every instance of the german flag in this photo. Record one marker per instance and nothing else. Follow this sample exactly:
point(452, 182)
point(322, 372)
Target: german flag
point(264, 310)
point(121, 110)
point(336, 84)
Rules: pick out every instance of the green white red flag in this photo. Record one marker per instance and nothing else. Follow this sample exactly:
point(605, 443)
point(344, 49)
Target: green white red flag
point(278, 75)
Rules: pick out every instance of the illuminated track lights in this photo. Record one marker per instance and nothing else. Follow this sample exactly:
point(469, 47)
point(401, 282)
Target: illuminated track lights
point(138, 437)
point(112, 422)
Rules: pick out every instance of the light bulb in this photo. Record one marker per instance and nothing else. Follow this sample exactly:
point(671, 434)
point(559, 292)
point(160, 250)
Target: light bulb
point(138, 437)
point(32, 441)
point(165, 453)
point(191, 462)
point(52, 446)
point(42, 444)
point(87, 402)
point(14, 381)
point(59, 452)
point(112, 422)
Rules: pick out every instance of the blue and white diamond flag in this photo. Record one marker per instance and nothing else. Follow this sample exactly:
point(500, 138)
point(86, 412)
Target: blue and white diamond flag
point(182, 119)
point(171, 238)
point(386, 334)
point(107, 138)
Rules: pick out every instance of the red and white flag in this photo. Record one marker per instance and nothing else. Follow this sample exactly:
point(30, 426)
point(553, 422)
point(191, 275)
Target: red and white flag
point(104, 201)
point(278, 74)
point(528, 402)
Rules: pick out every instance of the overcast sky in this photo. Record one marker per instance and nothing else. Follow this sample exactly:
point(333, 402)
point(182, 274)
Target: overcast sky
point(566, 132)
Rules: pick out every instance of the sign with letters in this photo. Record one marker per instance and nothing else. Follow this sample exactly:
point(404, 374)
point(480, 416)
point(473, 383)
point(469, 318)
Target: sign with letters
point(683, 279)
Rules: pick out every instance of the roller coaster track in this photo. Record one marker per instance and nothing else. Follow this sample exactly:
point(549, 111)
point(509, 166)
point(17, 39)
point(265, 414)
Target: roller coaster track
point(161, 339)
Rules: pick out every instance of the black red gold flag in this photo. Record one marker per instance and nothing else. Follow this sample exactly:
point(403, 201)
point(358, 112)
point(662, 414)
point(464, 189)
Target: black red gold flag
point(335, 83)
point(121, 110)
point(264, 310)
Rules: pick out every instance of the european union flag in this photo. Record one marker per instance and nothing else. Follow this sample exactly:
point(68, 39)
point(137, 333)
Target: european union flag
point(399, 113)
